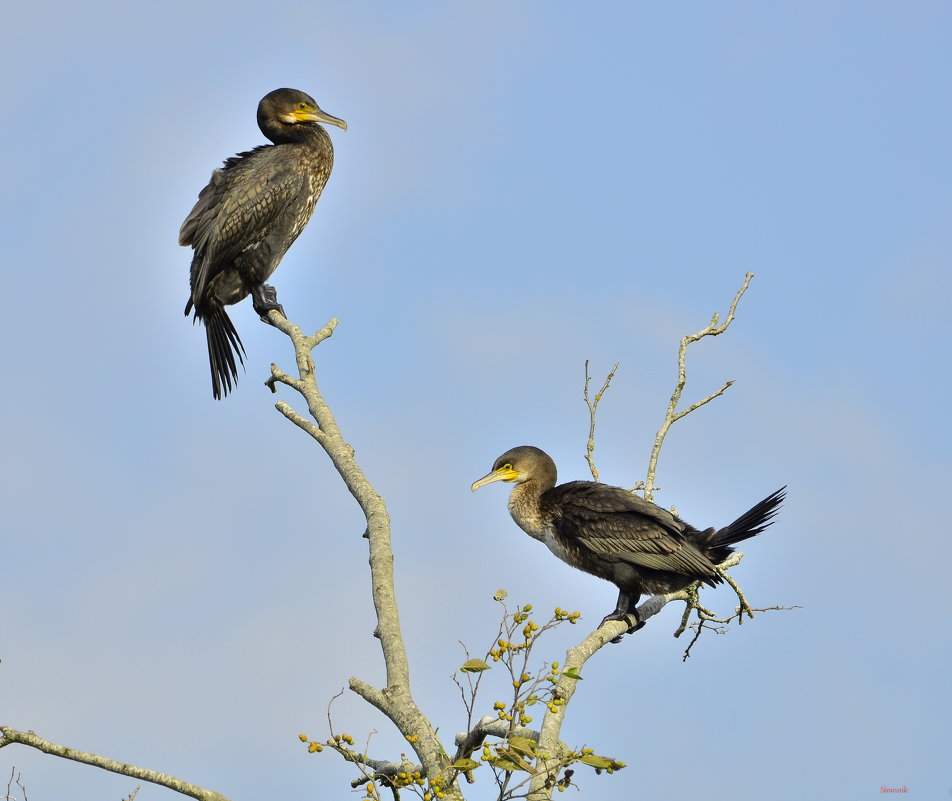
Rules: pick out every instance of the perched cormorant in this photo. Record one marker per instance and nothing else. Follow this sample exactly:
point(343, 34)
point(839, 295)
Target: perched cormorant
point(615, 535)
point(248, 216)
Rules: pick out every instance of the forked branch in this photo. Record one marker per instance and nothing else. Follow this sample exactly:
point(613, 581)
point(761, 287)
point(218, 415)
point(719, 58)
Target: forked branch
point(395, 700)
point(543, 782)
point(592, 404)
point(672, 414)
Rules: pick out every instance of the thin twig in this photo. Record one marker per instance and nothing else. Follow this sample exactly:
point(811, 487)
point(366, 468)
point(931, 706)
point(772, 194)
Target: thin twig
point(592, 408)
point(706, 617)
point(14, 779)
point(672, 414)
point(692, 605)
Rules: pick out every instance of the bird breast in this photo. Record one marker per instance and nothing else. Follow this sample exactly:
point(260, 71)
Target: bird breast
point(525, 511)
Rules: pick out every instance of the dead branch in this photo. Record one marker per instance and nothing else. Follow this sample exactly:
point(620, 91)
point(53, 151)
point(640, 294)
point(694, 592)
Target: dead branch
point(11, 736)
point(395, 700)
point(672, 415)
point(592, 405)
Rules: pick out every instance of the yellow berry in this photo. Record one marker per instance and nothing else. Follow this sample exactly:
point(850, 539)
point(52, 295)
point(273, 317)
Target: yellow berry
point(303, 738)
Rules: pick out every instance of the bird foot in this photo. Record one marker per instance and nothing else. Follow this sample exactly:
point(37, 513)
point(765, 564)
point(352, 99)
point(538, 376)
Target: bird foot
point(631, 618)
point(264, 298)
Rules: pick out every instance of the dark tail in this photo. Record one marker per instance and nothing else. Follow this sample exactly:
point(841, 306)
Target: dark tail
point(224, 345)
point(748, 525)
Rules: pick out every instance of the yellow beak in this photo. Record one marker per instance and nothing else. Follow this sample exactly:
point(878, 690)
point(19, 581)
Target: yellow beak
point(319, 116)
point(502, 474)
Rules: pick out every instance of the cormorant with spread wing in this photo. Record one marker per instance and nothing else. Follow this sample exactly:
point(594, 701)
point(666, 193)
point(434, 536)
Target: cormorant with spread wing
point(616, 535)
point(250, 213)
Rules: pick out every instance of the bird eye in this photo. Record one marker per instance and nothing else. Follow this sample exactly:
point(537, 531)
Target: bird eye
point(507, 466)
point(302, 106)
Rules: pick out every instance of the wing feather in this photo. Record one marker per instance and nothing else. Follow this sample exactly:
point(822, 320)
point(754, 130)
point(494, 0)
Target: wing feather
point(618, 525)
point(236, 211)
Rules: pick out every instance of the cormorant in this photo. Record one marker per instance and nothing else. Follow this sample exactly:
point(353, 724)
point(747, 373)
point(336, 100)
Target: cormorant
point(616, 535)
point(248, 216)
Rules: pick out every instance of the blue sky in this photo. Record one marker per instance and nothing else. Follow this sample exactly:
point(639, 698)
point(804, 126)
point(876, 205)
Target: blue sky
point(523, 186)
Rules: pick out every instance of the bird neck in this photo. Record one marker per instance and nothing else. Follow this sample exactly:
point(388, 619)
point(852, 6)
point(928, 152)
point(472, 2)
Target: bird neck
point(284, 134)
point(525, 506)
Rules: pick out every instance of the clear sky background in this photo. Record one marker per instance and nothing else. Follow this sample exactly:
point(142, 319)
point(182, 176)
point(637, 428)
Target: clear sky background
point(523, 186)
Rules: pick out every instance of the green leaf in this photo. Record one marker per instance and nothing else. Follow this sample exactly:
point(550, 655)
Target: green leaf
point(474, 666)
point(572, 673)
point(597, 761)
point(508, 759)
point(465, 764)
point(523, 745)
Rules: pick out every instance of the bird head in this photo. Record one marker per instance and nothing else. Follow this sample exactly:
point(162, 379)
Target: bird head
point(293, 107)
point(519, 465)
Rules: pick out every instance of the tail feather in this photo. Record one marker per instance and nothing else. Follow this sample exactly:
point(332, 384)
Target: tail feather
point(750, 524)
point(224, 345)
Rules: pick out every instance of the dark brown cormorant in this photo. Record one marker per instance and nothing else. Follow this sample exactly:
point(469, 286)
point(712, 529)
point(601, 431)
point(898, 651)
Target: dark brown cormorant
point(615, 535)
point(248, 216)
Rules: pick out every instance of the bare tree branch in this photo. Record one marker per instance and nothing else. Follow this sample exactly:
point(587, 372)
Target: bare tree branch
point(29, 738)
point(692, 604)
point(543, 782)
point(15, 779)
point(673, 415)
point(592, 409)
point(395, 700)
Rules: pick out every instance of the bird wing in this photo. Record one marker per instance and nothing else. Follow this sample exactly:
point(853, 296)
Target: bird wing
point(617, 524)
point(236, 211)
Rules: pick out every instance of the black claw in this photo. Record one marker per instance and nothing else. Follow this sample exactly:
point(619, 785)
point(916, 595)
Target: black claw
point(264, 298)
point(631, 618)
point(627, 612)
